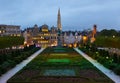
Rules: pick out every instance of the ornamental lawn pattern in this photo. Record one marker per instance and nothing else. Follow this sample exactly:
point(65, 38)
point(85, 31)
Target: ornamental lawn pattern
point(60, 65)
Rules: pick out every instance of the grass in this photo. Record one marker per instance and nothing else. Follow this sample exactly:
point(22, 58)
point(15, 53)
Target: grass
point(60, 54)
point(84, 71)
point(58, 60)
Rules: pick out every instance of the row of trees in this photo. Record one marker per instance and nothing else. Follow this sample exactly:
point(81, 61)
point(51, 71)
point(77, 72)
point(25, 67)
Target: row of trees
point(109, 42)
point(108, 38)
point(110, 32)
point(9, 41)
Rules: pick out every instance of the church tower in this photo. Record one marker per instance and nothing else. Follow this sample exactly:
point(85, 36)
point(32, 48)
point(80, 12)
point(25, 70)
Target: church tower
point(59, 26)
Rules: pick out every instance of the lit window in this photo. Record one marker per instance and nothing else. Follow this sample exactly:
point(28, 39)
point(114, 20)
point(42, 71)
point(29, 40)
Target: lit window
point(18, 34)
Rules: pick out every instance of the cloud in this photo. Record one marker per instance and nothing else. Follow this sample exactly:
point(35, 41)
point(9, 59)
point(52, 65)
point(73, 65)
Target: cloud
point(78, 13)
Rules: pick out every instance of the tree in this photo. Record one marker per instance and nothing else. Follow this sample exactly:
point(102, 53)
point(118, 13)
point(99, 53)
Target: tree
point(106, 32)
point(8, 41)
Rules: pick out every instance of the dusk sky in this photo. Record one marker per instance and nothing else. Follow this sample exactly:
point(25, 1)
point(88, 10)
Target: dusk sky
point(75, 14)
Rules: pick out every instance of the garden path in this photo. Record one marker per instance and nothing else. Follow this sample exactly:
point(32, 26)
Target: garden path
point(106, 71)
point(10, 73)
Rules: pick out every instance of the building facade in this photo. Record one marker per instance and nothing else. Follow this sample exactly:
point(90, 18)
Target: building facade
point(44, 37)
point(71, 38)
point(41, 36)
point(10, 30)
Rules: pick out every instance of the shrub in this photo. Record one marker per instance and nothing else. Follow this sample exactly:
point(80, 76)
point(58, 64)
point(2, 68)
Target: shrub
point(115, 58)
point(117, 70)
point(2, 58)
point(112, 66)
point(5, 65)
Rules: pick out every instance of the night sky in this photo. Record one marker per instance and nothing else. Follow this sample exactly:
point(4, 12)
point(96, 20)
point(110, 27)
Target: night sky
point(75, 14)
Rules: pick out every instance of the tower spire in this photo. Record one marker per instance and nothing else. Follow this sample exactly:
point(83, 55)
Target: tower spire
point(59, 26)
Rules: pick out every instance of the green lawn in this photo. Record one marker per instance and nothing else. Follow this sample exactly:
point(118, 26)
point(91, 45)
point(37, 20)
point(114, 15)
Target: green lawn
point(69, 67)
point(58, 60)
point(59, 54)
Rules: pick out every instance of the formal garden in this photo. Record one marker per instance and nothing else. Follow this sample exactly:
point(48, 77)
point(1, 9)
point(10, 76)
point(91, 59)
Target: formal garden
point(60, 65)
point(109, 60)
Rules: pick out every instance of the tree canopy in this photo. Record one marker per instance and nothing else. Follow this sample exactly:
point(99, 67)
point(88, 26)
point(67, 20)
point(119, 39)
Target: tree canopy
point(9, 41)
point(110, 32)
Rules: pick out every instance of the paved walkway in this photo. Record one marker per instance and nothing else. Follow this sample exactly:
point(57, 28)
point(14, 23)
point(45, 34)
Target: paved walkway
point(106, 71)
point(10, 73)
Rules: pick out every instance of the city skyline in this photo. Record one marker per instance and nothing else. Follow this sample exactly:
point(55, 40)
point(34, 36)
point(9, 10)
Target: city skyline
point(75, 15)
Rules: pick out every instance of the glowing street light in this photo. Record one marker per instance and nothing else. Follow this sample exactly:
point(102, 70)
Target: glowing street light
point(113, 36)
point(84, 39)
point(25, 42)
point(74, 45)
point(92, 39)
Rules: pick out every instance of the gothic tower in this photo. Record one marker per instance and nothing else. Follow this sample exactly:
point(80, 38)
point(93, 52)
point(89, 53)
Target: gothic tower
point(59, 26)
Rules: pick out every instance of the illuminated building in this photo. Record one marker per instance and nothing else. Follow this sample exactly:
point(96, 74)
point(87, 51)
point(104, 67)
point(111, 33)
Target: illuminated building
point(44, 37)
point(53, 36)
point(10, 30)
point(59, 26)
point(71, 38)
point(92, 39)
point(41, 36)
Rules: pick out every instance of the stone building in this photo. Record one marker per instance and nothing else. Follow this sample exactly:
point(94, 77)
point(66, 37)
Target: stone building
point(71, 38)
point(41, 36)
point(44, 37)
point(10, 30)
